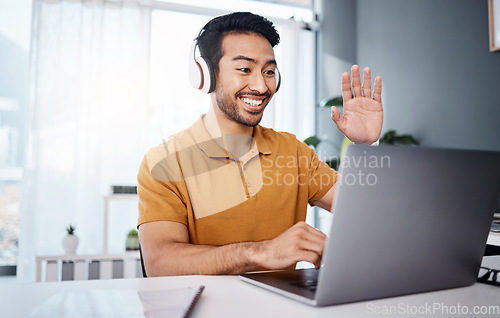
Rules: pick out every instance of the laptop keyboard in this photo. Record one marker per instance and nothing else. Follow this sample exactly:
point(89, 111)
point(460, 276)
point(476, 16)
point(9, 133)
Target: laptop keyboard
point(309, 284)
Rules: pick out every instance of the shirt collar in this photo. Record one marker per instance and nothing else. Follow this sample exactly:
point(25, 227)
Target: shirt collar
point(214, 147)
point(262, 144)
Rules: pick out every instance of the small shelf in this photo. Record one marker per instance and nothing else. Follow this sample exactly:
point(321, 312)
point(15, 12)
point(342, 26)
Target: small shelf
point(107, 199)
point(90, 266)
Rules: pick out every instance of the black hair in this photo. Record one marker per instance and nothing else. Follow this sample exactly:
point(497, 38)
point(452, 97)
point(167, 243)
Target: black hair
point(212, 34)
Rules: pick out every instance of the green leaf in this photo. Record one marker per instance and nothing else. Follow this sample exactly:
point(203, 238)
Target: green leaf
point(334, 101)
point(133, 233)
point(313, 140)
point(71, 229)
point(334, 164)
point(391, 138)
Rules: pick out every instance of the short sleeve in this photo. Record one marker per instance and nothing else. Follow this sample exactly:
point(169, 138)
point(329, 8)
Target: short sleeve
point(161, 191)
point(321, 176)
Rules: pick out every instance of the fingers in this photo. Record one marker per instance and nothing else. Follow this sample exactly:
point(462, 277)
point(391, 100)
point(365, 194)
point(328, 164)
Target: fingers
point(356, 81)
point(377, 91)
point(346, 87)
point(335, 114)
point(357, 90)
point(311, 257)
point(367, 82)
point(310, 247)
point(310, 239)
point(338, 119)
point(301, 242)
point(313, 234)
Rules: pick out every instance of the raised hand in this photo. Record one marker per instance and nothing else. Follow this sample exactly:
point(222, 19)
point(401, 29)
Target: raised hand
point(363, 115)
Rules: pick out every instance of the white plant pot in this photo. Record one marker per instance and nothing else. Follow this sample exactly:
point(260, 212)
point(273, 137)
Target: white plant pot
point(70, 243)
point(132, 244)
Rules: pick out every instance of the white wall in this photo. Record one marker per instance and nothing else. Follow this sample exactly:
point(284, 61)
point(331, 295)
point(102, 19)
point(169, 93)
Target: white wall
point(440, 82)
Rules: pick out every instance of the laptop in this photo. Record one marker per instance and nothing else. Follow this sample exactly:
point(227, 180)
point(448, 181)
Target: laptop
point(405, 220)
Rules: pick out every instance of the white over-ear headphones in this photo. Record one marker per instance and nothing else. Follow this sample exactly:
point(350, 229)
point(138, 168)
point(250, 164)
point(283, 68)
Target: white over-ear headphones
point(201, 73)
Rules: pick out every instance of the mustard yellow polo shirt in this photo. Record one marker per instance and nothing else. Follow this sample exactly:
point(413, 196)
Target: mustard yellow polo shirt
point(254, 191)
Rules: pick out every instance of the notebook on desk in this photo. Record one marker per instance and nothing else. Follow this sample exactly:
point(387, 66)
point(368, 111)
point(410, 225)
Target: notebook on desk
point(97, 303)
point(405, 220)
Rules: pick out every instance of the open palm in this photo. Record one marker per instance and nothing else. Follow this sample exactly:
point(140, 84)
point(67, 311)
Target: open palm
point(363, 115)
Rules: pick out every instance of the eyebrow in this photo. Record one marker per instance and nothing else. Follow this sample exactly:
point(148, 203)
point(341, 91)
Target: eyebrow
point(252, 60)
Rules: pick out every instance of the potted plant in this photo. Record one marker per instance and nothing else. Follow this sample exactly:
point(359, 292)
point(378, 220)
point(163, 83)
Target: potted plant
point(392, 138)
point(132, 241)
point(70, 241)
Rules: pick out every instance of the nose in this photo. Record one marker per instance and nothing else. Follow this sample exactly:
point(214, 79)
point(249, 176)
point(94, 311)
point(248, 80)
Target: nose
point(258, 83)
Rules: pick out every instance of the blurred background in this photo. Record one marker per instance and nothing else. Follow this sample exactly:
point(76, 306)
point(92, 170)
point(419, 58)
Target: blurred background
point(87, 86)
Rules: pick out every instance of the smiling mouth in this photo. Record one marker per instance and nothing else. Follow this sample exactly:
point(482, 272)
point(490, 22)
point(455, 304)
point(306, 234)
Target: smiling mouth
point(252, 102)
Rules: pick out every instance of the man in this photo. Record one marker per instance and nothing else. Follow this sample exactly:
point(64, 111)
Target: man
point(226, 195)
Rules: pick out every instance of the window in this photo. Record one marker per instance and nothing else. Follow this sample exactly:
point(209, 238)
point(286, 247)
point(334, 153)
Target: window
point(174, 104)
point(13, 84)
point(15, 20)
point(115, 90)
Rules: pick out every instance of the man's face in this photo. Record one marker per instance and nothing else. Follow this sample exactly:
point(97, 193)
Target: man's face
point(246, 80)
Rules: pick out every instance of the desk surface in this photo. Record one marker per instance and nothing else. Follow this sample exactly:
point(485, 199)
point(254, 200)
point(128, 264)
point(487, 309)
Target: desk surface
point(227, 296)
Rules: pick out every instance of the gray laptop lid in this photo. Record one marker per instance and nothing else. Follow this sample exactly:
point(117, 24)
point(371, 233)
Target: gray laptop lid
point(408, 220)
point(405, 220)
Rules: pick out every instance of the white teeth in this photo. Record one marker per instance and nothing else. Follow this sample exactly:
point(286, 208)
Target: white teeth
point(252, 102)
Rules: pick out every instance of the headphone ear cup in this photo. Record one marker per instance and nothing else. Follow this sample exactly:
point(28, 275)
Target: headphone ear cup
point(195, 71)
point(207, 76)
point(278, 80)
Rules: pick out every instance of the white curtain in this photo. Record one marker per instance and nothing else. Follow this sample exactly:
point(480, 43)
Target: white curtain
point(88, 108)
point(295, 109)
point(295, 101)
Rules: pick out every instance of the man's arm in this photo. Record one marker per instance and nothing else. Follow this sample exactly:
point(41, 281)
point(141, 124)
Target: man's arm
point(363, 116)
point(326, 201)
point(167, 251)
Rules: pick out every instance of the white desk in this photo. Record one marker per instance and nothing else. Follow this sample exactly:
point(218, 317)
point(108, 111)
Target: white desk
point(227, 296)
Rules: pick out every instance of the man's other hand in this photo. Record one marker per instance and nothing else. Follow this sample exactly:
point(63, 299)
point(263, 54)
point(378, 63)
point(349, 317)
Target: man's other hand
point(301, 242)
